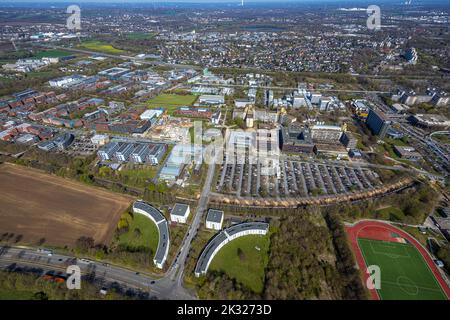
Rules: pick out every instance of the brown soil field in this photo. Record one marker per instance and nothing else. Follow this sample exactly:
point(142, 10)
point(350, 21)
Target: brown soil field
point(37, 205)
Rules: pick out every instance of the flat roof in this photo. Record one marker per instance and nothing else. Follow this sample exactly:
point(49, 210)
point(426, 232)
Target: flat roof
point(214, 216)
point(163, 229)
point(207, 254)
point(180, 210)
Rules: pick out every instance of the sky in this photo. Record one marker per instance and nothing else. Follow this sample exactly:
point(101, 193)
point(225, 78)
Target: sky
point(187, 1)
point(342, 2)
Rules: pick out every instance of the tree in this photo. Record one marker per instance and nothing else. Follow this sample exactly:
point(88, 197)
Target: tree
point(40, 296)
point(85, 243)
point(241, 254)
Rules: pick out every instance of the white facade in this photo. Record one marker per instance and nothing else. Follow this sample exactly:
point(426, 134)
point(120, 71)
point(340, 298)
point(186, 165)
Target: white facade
point(180, 214)
point(214, 219)
point(100, 139)
point(150, 114)
point(161, 225)
point(227, 239)
point(214, 225)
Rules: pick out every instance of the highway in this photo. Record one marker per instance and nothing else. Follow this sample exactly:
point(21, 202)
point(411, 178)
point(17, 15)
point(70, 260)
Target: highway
point(28, 257)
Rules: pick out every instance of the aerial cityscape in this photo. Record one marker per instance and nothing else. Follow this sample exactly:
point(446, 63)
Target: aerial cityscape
point(225, 150)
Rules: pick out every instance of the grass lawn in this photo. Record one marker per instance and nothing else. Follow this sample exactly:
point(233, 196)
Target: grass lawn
point(138, 177)
point(404, 273)
point(171, 102)
point(444, 138)
point(13, 294)
point(396, 142)
point(140, 35)
point(147, 237)
point(390, 213)
point(249, 268)
point(101, 47)
point(52, 54)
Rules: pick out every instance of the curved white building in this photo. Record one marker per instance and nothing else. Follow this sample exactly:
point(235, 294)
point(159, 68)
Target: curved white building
point(163, 230)
point(227, 235)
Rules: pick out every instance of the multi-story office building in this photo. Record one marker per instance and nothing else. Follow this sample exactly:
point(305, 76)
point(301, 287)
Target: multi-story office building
point(378, 123)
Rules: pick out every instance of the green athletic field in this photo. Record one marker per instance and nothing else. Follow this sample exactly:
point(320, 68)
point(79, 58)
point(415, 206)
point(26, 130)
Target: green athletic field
point(404, 273)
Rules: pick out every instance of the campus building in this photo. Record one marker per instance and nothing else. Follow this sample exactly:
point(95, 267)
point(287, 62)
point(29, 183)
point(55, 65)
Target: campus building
point(378, 123)
point(163, 230)
point(224, 237)
point(180, 213)
point(296, 139)
point(214, 219)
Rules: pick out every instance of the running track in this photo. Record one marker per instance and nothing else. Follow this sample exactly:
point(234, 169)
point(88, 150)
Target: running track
point(364, 228)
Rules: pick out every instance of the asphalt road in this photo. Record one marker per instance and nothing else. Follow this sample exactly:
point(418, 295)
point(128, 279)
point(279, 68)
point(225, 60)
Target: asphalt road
point(158, 288)
point(177, 269)
point(170, 286)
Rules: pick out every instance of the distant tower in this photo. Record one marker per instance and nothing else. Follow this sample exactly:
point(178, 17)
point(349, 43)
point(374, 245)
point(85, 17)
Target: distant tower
point(14, 44)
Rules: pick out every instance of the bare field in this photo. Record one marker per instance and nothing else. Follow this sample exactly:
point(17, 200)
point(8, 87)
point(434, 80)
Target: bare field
point(39, 206)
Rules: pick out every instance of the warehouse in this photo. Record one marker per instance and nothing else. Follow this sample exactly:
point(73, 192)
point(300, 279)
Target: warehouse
point(211, 100)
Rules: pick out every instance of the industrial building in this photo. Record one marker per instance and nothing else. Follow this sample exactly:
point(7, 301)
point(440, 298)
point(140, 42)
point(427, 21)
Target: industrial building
point(211, 100)
point(180, 156)
point(114, 73)
point(150, 114)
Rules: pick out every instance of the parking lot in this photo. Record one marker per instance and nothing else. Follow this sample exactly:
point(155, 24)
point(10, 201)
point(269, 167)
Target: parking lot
point(296, 179)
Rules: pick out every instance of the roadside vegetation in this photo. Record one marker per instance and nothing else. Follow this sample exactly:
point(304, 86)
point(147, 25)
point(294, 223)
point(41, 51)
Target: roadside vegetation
point(20, 285)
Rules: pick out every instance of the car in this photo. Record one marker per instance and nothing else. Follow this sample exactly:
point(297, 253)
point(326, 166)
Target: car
point(152, 282)
point(439, 263)
point(138, 273)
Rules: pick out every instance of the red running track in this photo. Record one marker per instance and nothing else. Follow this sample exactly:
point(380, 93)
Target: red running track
point(376, 230)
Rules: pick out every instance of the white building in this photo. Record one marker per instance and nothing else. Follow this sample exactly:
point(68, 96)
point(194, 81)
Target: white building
point(214, 219)
point(66, 81)
point(242, 103)
point(100, 139)
point(211, 100)
point(150, 114)
point(224, 237)
point(180, 213)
